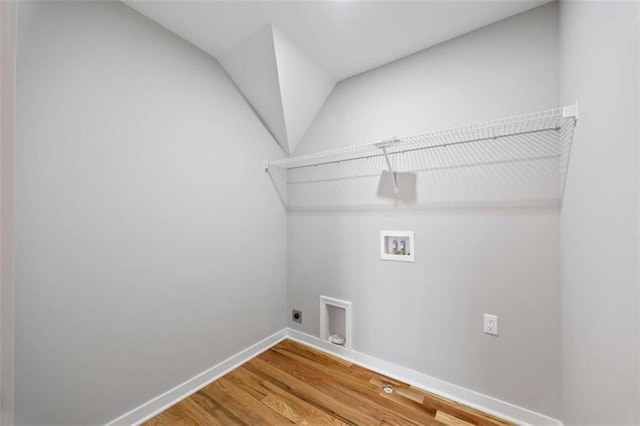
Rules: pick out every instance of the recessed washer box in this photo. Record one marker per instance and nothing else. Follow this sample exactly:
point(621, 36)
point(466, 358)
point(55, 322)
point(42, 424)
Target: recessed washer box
point(335, 321)
point(397, 245)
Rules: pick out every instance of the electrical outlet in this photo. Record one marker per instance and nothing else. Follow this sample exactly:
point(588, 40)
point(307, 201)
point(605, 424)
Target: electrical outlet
point(296, 316)
point(491, 324)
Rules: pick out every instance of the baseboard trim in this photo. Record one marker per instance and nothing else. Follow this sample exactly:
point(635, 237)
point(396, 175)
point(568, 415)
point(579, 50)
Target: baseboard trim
point(488, 404)
point(160, 403)
point(456, 393)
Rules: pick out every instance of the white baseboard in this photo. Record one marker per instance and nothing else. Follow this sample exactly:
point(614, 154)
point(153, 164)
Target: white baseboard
point(488, 404)
point(160, 403)
point(465, 396)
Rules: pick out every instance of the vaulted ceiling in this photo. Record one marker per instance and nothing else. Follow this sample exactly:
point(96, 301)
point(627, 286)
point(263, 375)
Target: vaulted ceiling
point(286, 56)
point(284, 86)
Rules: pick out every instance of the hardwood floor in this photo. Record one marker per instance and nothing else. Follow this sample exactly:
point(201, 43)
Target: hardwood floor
point(295, 384)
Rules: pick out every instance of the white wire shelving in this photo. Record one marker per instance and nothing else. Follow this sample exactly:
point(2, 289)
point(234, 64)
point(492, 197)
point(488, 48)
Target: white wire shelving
point(544, 134)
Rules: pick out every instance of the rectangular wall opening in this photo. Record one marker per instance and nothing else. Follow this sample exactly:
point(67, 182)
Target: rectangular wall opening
point(335, 321)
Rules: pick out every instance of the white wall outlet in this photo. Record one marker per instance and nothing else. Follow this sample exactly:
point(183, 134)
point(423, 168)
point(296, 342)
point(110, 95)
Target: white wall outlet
point(491, 324)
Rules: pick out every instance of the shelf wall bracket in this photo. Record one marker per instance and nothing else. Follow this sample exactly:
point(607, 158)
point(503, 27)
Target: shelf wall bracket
point(570, 111)
point(395, 178)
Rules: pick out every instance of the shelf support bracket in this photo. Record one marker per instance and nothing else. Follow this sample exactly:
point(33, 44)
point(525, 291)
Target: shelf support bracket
point(570, 111)
point(395, 178)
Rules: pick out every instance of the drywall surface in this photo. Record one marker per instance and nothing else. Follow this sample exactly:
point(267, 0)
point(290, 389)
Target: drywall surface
point(599, 220)
point(150, 244)
point(253, 66)
point(304, 87)
point(498, 256)
point(7, 136)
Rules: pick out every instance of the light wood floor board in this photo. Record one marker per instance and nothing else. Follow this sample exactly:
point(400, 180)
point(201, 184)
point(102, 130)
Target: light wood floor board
point(295, 384)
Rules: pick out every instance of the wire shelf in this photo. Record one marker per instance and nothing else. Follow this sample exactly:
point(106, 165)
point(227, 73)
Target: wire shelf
point(535, 136)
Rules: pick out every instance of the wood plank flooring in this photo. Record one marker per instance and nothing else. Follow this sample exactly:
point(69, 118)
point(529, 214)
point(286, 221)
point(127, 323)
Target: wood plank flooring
point(295, 384)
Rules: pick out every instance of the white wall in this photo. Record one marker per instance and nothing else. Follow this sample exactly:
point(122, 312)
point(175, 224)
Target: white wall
point(150, 244)
point(7, 134)
point(304, 87)
point(488, 256)
point(599, 221)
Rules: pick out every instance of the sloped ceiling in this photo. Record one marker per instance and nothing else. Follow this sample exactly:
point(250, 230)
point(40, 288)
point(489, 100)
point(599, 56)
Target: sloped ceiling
point(286, 56)
point(284, 86)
